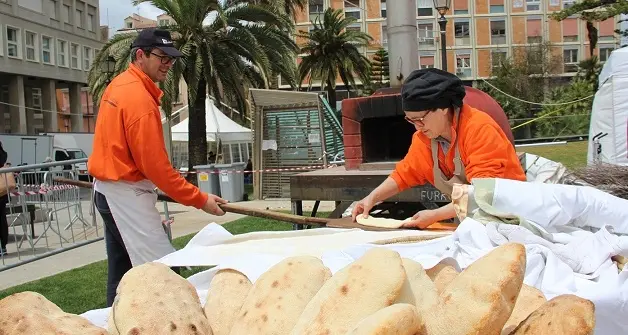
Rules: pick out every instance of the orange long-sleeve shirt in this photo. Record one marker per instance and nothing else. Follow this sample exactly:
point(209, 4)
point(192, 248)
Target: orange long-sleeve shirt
point(484, 149)
point(128, 139)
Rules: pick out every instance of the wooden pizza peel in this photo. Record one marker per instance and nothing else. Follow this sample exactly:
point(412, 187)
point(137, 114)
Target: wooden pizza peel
point(291, 218)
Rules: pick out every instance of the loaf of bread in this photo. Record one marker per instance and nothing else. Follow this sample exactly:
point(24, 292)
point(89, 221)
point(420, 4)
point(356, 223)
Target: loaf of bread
point(380, 293)
point(31, 313)
point(152, 299)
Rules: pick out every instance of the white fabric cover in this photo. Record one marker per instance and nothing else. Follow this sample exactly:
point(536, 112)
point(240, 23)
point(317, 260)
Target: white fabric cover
point(570, 235)
point(217, 125)
point(610, 111)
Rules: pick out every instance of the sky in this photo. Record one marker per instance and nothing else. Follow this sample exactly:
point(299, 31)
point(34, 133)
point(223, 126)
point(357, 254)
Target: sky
point(113, 12)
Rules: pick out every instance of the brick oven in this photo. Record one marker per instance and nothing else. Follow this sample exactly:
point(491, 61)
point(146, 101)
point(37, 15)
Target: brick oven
point(375, 130)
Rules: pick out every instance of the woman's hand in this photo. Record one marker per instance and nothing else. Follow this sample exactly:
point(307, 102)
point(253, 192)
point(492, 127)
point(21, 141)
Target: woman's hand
point(363, 206)
point(422, 219)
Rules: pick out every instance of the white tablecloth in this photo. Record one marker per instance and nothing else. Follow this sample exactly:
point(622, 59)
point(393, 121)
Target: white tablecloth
point(607, 288)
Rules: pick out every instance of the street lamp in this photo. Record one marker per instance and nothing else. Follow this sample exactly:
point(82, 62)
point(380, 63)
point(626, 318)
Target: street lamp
point(442, 6)
point(108, 67)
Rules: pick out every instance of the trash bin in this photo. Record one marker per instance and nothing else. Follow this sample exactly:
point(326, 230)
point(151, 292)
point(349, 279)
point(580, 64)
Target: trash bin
point(231, 181)
point(207, 178)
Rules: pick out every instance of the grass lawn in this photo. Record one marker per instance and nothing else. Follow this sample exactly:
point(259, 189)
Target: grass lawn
point(572, 154)
point(83, 289)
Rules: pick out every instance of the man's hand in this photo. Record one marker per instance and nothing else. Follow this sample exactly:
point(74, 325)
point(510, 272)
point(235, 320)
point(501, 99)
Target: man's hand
point(362, 207)
point(422, 219)
point(211, 206)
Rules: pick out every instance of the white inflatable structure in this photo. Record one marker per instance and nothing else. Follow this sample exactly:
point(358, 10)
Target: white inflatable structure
point(608, 131)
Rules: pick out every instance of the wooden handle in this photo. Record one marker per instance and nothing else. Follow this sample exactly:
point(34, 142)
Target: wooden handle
point(266, 214)
point(226, 207)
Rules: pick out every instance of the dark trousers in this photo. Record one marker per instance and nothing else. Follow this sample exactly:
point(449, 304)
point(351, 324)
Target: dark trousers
point(118, 260)
point(4, 226)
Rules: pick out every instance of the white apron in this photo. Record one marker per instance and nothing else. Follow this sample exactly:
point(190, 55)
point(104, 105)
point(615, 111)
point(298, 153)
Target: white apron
point(138, 220)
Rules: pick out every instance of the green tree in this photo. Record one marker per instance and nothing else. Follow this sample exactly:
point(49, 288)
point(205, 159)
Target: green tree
point(239, 48)
point(380, 69)
point(567, 119)
point(525, 75)
point(592, 11)
point(289, 7)
point(332, 50)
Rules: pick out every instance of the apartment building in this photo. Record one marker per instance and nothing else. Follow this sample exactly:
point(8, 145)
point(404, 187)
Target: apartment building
point(46, 46)
point(479, 32)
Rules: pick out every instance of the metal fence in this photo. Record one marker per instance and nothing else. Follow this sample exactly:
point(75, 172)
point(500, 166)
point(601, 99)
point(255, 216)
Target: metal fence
point(43, 215)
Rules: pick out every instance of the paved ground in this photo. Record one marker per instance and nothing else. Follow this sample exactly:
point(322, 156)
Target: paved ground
point(186, 221)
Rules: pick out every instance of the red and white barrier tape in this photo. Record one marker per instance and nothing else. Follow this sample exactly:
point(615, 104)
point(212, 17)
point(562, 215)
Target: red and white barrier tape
point(217, 171)
point(37, 189)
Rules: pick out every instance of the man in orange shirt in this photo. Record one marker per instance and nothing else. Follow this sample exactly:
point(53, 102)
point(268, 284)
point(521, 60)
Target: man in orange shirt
point(454, 143)
point(129, 159)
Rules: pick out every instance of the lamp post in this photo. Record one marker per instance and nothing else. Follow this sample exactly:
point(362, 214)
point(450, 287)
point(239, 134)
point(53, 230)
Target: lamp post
point(442, 6)
point(108, 67)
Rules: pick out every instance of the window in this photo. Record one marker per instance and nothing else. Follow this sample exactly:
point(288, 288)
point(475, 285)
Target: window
point(463, 65)
point(384, 35)
point(352, 8)
point(570, 59)
point(1, 43)
point(534, 27)
point(129, 24)
point(62, 53)
point(316, 8)
point(383, 6)
point(74, 52)
point(426, 60)
point(46, 49)
point(461, 32)
point(568, 3)
point(14, 43)
point(90, 22)
point(605, 52)
point(533, 5)
point(32, 53)
point(87, 58)
point(78, 18)
point(498, 32)
point(497, 58)
point(570, 30)
point(425, 7)
point(461, 11)
point(426, 34)
point(52, 7)
point(497, 9)
point(66, 13)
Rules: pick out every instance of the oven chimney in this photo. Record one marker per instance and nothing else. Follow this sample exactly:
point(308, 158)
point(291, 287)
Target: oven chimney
point(403, 47)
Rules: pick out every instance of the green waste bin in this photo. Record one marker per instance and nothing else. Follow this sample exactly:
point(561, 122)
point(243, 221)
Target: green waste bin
point(231, 181)
point(207, 178)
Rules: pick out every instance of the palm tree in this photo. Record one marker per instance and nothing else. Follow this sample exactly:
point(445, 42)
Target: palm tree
point(289, 7)
point(331, 51)
point(239, 48)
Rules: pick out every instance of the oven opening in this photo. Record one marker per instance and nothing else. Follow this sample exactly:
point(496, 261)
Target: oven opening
point(385, 138)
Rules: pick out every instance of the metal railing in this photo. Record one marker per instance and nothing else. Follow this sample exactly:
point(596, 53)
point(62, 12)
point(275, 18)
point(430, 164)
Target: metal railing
point(44, 217)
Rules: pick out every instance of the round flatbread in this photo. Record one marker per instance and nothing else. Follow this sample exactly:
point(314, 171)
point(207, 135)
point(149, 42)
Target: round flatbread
point(381, 222)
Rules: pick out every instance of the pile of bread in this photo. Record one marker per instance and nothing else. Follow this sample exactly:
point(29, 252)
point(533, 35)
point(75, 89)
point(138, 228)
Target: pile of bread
point(380, 293)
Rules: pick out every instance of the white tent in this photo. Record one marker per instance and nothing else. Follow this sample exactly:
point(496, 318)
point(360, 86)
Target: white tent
point(609, 117)
point(236, 140)
point(218, 125)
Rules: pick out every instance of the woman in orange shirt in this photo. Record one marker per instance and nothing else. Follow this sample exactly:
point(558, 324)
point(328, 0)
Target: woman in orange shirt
point(454, 143)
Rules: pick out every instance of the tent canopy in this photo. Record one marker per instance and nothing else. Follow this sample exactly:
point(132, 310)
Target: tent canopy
point(610, 113)
point(217, 125)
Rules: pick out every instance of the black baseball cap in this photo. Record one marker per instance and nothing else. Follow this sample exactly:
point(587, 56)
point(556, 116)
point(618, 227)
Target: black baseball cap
point(156, 38)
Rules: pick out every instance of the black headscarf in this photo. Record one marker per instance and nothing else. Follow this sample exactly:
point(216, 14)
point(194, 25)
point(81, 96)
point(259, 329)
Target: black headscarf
point(429, 89)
